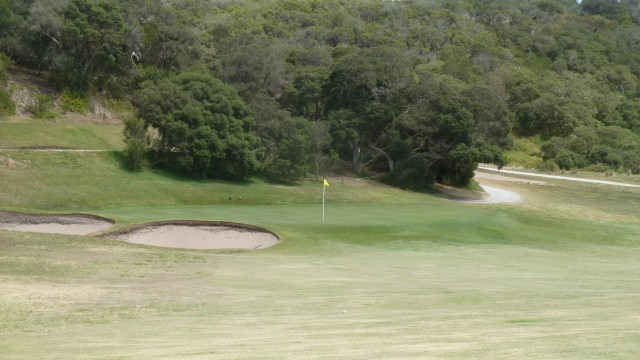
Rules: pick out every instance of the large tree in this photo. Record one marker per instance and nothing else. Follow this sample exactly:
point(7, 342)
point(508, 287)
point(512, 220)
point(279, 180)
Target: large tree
point(87, 40)
point(364, 96)
point(203, 127)
point(443, 140)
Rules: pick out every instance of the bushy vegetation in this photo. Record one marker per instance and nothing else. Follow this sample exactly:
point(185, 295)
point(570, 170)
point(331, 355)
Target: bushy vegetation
point(203, 127)
point(405, 88)
point(74, 102)
point(42, 108)
point(136, 143)
point(7, 107)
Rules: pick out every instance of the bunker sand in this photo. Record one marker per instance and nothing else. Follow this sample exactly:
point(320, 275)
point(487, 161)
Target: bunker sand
point(70, 224)
point(198, 235)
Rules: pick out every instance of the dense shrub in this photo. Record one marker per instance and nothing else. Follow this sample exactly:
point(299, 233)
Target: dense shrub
point(204, 127)
point(549, 165)
point(74, 102)
point(567, 160)
point(42, 107)
point(7, 107)
point(522, 159)
point(136, 143)
point(527, 146)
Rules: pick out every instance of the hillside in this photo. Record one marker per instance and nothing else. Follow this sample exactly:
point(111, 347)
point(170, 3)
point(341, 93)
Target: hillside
point(420, 91)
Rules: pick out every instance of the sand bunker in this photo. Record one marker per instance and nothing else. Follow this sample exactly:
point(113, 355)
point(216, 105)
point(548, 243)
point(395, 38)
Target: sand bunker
point(199, 235)
point(71, 224)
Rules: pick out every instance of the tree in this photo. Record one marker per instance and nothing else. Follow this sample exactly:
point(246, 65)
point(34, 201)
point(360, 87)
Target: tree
point(286, 147)
point(7, 107)
point(438, 131)
point(92, 44)
point(320, 143)
point(608, 8)
point(364, 94)
point(204, 128)
point(136, 142)
point(490, 114)
point(583, 140)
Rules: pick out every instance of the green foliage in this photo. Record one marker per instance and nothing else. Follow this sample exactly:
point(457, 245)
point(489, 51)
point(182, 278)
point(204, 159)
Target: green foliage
point(568, 160)
point(364, 91)
point(4, 76)
point(394, 80)
point(287, 147)
point(608, 8)
point(415, 173)
point(7, 106)
point(204, 128)
point(527, 145)
point(42, 107)
point(523, 159)
point(74, 102)
point(492, 119)
point(549, 166)
point(596, 168)
point(136, 142)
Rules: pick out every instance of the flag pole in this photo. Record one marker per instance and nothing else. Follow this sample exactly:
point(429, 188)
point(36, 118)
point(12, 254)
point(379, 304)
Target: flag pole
point(325, 183)
point(323, 189)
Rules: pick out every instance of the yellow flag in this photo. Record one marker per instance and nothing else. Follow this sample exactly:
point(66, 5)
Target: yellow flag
point(326, 183)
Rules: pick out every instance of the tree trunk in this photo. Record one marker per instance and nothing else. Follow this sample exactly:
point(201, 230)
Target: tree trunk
point(384, 153)
point(357, 157)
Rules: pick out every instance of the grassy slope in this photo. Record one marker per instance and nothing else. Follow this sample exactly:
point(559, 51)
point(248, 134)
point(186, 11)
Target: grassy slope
point(389, 274)
point(61, 135)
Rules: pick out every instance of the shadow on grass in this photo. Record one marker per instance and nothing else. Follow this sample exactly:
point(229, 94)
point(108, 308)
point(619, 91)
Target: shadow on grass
point(120, 158)
point(281, 182)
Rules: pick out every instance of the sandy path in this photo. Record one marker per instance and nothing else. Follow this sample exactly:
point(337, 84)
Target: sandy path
point(606, 182)
point(496, 196)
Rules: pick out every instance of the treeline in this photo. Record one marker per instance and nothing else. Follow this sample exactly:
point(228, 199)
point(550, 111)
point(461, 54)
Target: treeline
point(418, 90)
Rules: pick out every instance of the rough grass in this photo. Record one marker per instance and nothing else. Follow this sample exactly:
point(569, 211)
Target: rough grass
point(388, 274)
point(60, 135)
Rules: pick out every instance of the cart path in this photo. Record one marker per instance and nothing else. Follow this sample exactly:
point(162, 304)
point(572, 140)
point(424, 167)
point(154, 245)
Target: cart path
point(593, 181)
point(496, 196)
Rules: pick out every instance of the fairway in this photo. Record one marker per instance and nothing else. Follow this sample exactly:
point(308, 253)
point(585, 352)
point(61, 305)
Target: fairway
point(387, 274)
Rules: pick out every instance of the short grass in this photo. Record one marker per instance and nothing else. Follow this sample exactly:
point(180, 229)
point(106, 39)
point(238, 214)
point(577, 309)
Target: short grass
point(78, 181)
point(60, 135)
point(387, 275)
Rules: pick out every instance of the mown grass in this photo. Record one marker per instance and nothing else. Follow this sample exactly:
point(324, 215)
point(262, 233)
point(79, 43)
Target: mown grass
point(77, 181)
point(387, 274)
point(60, 135)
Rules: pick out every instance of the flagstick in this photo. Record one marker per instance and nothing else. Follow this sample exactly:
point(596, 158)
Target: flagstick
point(323, 189)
